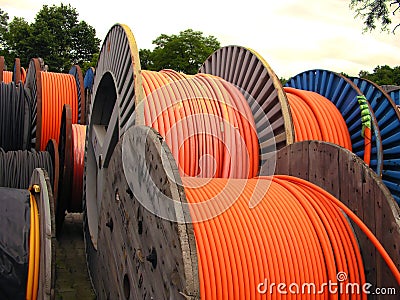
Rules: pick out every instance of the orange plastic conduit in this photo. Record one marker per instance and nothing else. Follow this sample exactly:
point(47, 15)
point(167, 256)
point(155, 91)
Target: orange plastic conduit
point(34, 252)
point(206, 122)
point(367, 145)
point(57, 89)
point(317, 118)
point(296, 234)
point(78, 153)
point(23, 74)
point(7, 76)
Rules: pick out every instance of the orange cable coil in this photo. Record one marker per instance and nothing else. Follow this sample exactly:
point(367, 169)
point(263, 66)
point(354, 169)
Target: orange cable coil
point(317, 118)
point(57, 89)
point(206, 122)
point(23, 74)
point(296, 234)
point(78, 153)
point(7, 76)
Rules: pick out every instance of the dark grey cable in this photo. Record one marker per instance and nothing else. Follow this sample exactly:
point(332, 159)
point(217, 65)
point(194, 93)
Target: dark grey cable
point(16, 167)
point(15, 117)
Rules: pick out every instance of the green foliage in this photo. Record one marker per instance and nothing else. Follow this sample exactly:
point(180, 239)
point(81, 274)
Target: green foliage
point(185, 52)
point(145, 59)
point(3, 31)
point(375, 11)
point(55, 35)
point(283, 80)
point(383, 75)
point(344, 74)
point(18, 41)
point(92, 63)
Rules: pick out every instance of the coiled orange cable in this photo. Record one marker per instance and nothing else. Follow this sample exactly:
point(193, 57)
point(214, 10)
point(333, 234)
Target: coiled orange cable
point(78, 153)
point(205, 121)
point(317, 118)
point(34, 252)
point(296, 234)
point(7, 76)
point(57, 89)
point(23, 74)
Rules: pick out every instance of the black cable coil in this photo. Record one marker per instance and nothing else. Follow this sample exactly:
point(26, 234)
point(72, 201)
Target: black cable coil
point(15, 117)
point(16, 167)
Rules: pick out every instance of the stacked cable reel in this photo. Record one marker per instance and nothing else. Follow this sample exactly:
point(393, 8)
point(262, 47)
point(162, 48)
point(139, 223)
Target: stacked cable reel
point(71, 152)
point(28, 260)
point(151, 231)
point(49, 92)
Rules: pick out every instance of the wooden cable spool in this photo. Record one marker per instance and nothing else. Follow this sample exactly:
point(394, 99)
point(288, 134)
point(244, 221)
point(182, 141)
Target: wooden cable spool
point(133, 253)
point(77, 73)
point(71, 152)
point(342, 92)
point(2, 65)
point(349, 179)
point(34, 86)
point(44, 199)
point(247, 70)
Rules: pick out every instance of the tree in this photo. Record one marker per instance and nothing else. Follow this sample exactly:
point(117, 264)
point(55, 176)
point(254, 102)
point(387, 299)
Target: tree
point(55, 35)
point(185, 52)
point(145, 59)
point(373, 11)
point(18, 41)
point(60, 40)
point(383, 75)
point(3, 31)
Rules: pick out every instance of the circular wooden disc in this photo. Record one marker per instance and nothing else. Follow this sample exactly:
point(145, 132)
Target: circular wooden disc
point(45, 202)
point(52, 148)
point(33, 85)
point(2, 63)
point(349, 179)
point(140, 255)
point(342, 92)
point(17, 71)
point(248, 71)
point(388, 118)
point(77, 73)
point(117, 90)
point(66, 165)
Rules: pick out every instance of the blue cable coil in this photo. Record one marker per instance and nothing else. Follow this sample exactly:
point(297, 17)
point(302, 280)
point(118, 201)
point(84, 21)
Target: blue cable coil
point(89, 79)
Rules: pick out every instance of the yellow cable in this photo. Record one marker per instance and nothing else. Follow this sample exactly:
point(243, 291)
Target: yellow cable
point(37, 252)
point(34, 252)
point(29, 285)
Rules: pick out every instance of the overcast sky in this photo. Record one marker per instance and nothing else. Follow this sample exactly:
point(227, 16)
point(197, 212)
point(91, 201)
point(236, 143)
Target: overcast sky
point(292, 35)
